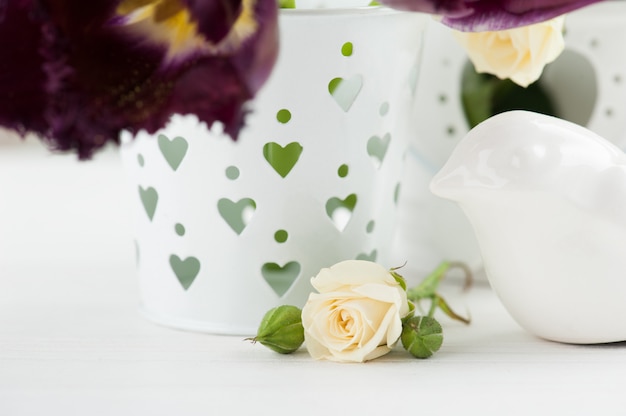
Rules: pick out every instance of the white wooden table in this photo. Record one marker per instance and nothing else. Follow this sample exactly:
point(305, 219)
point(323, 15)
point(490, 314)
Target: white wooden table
point(72, 342)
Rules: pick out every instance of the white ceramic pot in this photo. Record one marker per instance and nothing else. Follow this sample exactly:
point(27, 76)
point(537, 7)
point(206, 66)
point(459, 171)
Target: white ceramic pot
point(227, 230)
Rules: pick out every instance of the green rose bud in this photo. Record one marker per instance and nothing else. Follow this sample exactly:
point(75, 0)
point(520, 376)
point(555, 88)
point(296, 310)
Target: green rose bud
point(422, 336)
point(281, 329)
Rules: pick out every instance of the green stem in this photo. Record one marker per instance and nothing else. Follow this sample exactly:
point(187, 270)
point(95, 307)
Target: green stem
point(428, 289)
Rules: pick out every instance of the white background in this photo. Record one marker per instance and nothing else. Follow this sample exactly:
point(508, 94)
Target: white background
point(72, 342)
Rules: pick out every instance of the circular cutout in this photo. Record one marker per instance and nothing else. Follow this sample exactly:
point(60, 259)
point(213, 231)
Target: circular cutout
point(283, 116)
point(232, 172)
point(572, 83)
point(180, 229)
point(343, 171)
point(384, 109)
point(346, 49)
point(281, 236)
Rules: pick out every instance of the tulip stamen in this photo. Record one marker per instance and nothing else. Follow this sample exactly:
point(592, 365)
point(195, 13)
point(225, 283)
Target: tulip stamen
point(168, 22)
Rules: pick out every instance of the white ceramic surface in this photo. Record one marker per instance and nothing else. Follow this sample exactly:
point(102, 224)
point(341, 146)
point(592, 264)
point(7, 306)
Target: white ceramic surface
point(227, 230)
point(547, 199)
point(587, 82)
point(71, 343)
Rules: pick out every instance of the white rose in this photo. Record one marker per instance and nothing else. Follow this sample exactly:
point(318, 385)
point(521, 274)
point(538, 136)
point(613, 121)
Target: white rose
point(357, 314)
point(519, 54)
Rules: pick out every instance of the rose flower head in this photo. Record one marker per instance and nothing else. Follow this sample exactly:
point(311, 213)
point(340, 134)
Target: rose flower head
point(357, 314)
point(511, 39)
point(519, 54)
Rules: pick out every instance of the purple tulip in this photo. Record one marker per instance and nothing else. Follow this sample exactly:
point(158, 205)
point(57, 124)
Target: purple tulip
point(483, 15)
point(79, 72)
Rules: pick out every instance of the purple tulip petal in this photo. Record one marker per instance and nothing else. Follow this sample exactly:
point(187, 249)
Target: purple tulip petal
point(22, 99)
point(88, 72)
point(483, 15)
point(456, 8)
point(508, 14)
point(225, 13)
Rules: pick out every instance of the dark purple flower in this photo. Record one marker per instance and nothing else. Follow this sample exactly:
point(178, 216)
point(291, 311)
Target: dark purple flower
point(78, 72)
point(483, 15)
point(22, 99)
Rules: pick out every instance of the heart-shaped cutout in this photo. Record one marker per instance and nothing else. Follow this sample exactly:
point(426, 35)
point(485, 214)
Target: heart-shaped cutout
point(345, 91)
point(485, 95)
point(368, 257)
point(280, 278)
point(185, 270)
point(149, 198)
point(572, 83)
point(282, 159)
point(174, 150)
point(340, 210)
point(377, 149)
point(236, 214)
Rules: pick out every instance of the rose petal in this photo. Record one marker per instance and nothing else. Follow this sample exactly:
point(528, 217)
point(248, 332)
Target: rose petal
point(519, 54)
point(351, 272)
point(378, 344)
point(384, 293)
point(376, 327)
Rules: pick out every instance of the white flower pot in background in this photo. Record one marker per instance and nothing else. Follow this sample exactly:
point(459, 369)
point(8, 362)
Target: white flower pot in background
point(227, 230)
point(432, 229)
point(587, 83)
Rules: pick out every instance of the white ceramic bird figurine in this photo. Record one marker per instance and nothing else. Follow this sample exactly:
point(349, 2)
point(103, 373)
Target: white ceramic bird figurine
point(547, 200)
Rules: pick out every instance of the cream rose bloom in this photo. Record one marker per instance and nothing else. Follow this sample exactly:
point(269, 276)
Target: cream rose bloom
point(357, 314)
point(519, 54)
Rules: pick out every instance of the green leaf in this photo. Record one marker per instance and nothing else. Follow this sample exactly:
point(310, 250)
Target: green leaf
point(287, 4)
point(398, 278)
point(428, 287)
point(443, 305)
point(509, 96)
point(422, 336)
point(485, 95)
point(476, 92)
point(411, 312)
